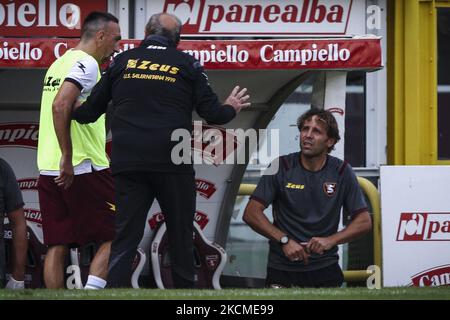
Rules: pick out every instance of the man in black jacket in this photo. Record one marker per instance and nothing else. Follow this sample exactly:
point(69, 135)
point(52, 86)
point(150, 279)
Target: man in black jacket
point(11, 203)
point(154, 89)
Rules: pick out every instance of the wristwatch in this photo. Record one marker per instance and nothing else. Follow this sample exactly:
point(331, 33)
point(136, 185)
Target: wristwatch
point(284, 239)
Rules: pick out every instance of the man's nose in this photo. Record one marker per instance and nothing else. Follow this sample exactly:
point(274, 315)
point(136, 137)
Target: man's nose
point(308, 133)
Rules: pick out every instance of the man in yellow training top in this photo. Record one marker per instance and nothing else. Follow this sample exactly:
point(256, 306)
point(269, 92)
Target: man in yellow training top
point(76, 191)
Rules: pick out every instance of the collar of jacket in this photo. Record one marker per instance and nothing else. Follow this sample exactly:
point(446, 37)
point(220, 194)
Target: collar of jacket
point(157, 39)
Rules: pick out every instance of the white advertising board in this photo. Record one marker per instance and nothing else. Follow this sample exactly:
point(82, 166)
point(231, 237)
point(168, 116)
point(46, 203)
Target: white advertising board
point(266, 17)
point(415, 206)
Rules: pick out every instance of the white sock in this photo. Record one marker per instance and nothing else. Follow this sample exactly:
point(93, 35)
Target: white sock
point(95, 283)
point(15, 284)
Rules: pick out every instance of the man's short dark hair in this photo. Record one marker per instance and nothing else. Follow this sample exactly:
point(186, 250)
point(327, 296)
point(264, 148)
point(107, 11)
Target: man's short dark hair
point(155, 27)
point(327, 118)
point(94, 22)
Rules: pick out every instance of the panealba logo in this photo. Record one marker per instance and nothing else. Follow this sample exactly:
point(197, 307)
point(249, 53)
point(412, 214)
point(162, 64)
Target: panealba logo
point(424, 226)
point(250, 16)
point(329, 188)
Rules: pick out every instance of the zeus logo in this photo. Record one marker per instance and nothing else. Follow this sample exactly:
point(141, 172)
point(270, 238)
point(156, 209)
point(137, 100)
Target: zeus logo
point(186, 10)
point(82, 67)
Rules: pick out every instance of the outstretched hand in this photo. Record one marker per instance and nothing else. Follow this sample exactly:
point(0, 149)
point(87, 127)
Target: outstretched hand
point(238, 99)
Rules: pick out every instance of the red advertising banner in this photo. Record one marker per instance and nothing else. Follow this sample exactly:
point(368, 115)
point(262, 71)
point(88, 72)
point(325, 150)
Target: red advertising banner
point(361, 53)
point(55, 18)
point(23, 135)
point(437, 276)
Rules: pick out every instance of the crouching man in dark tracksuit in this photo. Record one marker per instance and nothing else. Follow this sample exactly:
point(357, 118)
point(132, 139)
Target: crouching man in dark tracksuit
point(154, 89)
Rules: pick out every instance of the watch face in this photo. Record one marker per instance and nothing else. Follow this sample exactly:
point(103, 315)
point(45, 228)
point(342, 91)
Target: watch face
point(284, 240)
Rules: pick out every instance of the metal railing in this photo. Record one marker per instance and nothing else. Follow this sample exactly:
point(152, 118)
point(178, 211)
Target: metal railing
point(372, 194)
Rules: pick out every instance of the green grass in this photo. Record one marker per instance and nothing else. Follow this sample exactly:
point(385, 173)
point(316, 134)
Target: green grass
point(400, 293)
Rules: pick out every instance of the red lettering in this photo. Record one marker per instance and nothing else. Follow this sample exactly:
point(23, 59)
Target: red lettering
point(253, 13)
point(235, 14)
point(304, 10)
point(335, 16)
point(290, 15)
point(446, 226)
point(270, 11)
point(311, 11)
point(215, 14)
point(317, 9)
point(433, 227)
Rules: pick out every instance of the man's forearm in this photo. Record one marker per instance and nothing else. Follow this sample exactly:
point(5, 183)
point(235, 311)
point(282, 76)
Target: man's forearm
point(222, 115)
point(61, 122)
point(261, 224)
point(83, 114)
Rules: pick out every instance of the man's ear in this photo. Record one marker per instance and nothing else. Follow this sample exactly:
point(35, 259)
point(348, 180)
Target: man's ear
point(100, 35)
point(331, 142)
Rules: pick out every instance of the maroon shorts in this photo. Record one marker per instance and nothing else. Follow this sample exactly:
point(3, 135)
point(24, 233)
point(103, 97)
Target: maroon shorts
point(82, 214)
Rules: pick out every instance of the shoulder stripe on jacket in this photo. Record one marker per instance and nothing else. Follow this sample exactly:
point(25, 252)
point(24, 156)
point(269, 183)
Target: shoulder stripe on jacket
point(341, 170)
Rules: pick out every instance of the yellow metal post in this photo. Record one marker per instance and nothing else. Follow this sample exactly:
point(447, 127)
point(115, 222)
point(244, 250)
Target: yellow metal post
point(412, 82)
point(374, 198)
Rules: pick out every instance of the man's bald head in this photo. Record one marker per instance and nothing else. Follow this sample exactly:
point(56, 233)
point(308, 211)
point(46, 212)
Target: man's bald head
point(166, 25)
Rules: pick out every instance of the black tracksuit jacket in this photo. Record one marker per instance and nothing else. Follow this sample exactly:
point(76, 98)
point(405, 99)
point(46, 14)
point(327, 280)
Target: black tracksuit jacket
point(154, 89)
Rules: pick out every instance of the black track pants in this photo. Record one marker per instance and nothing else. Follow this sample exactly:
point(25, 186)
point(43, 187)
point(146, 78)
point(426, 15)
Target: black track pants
point(135, 192)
